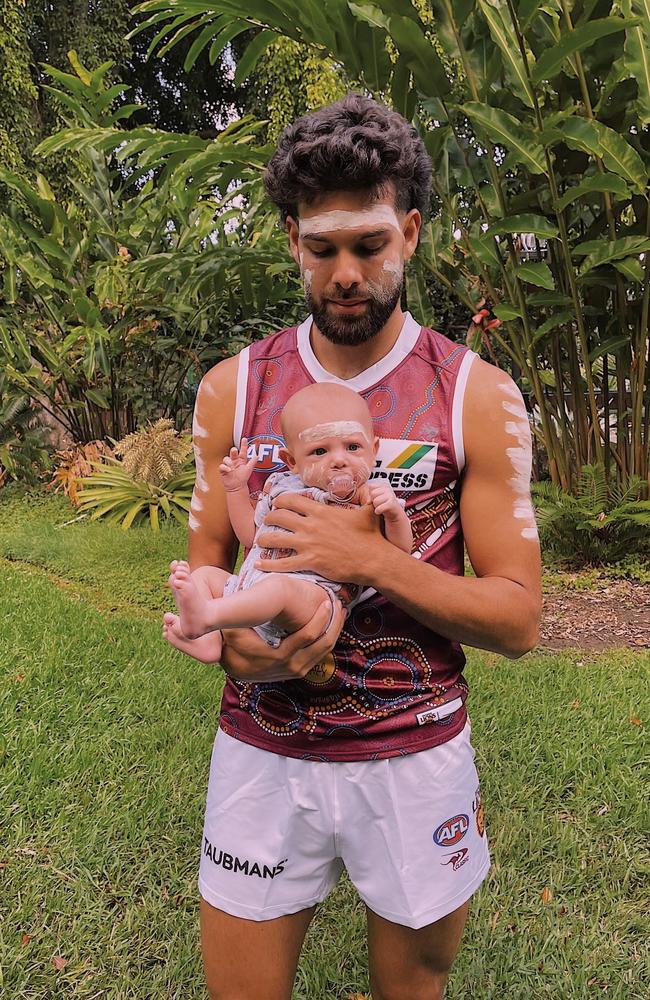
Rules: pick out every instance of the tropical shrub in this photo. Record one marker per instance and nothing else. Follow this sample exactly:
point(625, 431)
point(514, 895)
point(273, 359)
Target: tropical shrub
point(154, 454)
point(24, 454)
point(599, 524)
point(72, 464)
point(536, 117)
point(111, 307)
point(154, 479)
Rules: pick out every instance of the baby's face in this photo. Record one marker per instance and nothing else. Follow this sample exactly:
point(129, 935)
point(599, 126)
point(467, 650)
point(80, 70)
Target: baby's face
point(337, 456)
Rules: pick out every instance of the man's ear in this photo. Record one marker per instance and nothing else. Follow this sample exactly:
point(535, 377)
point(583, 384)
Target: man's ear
point(287, 458)
point(293, 232)
point(411, 231)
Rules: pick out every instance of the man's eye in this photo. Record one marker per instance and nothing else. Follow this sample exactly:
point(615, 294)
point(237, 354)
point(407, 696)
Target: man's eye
point(366, 251)
point(321, 253)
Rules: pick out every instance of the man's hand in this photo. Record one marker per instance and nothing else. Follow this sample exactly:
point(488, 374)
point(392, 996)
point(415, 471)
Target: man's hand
point(384, 501)
point(335, 542)
point(246, 657)
point(236, 468)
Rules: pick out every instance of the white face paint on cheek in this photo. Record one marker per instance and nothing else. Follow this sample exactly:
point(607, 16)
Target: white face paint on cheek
point(337, 428)
point(307, 280)
point(393, 266)
point(328, 222)
point(307, 475)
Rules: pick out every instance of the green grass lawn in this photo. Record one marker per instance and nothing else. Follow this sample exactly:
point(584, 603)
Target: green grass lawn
point(105, 737)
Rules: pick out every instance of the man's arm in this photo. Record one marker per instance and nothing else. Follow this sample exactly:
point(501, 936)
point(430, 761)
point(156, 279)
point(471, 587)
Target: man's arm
point(211, 539)
point(499, 609)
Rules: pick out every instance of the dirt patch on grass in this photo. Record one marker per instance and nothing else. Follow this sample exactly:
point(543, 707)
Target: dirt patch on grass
point(609, 614)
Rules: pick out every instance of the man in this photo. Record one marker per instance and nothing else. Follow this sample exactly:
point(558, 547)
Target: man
point(353, 748)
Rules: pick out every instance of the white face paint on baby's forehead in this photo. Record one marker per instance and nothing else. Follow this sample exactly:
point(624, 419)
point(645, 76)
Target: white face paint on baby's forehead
point(327, 222)
point(335, 428)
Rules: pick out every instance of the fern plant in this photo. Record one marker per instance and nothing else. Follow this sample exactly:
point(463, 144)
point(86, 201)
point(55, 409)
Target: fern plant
point(155, 477)
point(23, 453)
point(155, 454)
point(601, 524)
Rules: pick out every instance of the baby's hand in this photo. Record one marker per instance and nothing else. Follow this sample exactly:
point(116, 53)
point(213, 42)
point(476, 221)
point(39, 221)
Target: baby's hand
point(383, 499)
point(236, 469)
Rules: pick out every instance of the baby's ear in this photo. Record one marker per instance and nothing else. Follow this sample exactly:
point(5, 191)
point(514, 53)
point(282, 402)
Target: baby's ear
point(376, 445)
point(287, 458)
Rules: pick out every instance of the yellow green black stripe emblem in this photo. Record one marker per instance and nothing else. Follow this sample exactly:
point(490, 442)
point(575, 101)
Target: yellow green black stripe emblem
point(410, 455)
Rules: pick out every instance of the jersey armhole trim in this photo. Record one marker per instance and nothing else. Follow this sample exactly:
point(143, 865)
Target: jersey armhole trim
point(240, 397)
point(457, 409)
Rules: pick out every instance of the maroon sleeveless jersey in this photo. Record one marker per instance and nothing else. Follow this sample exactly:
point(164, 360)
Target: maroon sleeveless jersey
point(391, 685)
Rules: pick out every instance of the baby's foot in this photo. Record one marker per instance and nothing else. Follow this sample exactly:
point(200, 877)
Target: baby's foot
point(207, 648)
point(192, 606)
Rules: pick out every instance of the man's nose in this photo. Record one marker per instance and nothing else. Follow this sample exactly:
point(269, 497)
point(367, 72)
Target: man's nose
point(346, 270)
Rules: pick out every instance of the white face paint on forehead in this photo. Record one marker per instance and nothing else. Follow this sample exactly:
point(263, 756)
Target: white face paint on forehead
point(326, 222)
point(335, 428)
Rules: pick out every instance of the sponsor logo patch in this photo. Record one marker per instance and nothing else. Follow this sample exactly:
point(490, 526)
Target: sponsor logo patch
point(267, 449)
point(231, 863)
point(451, 831)
point(440, 713)
point(407, 465)
point(457, 859)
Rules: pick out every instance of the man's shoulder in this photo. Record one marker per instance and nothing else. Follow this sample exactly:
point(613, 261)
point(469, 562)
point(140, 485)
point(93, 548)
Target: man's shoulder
point(224, 373)
point(275, 344)
point(493, 409)
point(221, 378)
point(434, 347)
point(487, 383)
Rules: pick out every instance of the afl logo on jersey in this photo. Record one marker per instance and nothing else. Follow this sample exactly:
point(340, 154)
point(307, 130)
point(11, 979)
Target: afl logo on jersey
point(451, 831)
point(267, 448)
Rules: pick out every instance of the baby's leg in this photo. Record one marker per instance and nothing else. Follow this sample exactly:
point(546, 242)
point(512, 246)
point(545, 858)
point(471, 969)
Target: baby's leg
point(207, 648)
point(196, 594)
point(288, 601)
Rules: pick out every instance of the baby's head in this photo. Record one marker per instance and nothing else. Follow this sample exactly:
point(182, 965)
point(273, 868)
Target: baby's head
point(329, 438)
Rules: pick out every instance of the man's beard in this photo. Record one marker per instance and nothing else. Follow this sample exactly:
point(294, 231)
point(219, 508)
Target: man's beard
point(350, 331)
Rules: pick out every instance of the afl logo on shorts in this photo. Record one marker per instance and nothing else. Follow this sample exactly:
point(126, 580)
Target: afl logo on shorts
point(451, 831)
point(267, 448)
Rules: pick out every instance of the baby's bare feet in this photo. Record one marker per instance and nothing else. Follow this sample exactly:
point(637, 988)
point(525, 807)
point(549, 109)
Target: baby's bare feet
point(192, 606)
point(207, 648)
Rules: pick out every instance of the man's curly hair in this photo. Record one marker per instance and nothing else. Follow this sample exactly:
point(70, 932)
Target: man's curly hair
point(353, 144)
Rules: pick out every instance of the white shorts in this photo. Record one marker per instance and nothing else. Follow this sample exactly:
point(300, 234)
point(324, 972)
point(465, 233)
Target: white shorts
point(279, 830)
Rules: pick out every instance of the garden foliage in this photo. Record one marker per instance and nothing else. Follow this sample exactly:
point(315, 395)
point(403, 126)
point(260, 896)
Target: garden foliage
point(113, 305)
point(536, 116)
point(154, 478)
point(598, 525)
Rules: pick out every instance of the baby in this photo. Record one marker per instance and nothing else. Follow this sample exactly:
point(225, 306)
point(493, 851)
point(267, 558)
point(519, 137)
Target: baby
point(328, 460)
